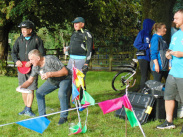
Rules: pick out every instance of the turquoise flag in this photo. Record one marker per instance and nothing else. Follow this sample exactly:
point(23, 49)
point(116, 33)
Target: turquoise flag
point(37, 124)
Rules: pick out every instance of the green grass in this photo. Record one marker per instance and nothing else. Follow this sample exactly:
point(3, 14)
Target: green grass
point(99, 125)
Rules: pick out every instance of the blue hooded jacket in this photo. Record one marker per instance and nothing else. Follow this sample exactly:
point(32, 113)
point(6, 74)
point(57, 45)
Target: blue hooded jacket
point(143, 39)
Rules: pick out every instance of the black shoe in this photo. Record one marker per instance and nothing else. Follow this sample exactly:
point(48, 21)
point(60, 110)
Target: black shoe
point(166, 125)
point(62, 120)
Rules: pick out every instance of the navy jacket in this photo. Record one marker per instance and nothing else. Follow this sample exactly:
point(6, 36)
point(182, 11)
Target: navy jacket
point(143, 39)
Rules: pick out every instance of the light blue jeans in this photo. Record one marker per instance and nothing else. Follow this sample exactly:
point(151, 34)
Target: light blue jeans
point(47, 88)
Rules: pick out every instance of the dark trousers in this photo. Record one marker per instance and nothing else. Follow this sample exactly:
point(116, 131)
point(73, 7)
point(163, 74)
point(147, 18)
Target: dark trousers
point(144, 69)
point(160, 75)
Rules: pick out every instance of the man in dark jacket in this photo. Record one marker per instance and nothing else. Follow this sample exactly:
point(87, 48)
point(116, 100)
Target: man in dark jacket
point(23, 45)
point(80, 47)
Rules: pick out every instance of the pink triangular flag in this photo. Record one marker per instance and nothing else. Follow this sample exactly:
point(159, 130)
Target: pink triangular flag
point(111, 105)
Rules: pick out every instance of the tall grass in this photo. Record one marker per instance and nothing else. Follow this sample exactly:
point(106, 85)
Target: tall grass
point(99, 87)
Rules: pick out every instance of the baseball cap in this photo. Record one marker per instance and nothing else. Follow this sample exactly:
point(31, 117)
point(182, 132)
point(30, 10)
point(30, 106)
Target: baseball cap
point(78, 19)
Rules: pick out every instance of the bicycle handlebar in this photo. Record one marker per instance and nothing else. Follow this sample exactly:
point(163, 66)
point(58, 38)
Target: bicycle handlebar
point(133, 65)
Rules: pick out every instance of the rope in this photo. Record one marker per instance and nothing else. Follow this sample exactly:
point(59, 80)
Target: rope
point(44, 115)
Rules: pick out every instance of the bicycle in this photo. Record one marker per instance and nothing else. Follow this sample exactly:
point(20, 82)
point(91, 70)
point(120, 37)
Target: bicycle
point(125, 76)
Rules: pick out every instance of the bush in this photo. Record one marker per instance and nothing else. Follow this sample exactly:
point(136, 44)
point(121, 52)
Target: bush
point(7, 71)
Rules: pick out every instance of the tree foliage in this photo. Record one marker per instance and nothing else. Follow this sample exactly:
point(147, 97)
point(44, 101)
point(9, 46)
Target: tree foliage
point(115, 17)
point(178, 5)
point(110, 21)
point(157, 11)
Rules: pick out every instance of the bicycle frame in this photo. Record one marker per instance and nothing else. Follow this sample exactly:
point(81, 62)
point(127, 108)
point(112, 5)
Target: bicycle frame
point(134, 72)
point(127, 72)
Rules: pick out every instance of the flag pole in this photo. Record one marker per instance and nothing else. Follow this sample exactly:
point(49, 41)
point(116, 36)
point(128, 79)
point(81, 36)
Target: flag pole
point(127, 86)
point(139, 124)
point(125, 113)
point(125, 125)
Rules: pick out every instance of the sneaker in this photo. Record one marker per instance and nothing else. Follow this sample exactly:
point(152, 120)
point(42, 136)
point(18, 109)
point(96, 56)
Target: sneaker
point(166, 125)
point(62, 120)
point(23, 112)
point(30, 113)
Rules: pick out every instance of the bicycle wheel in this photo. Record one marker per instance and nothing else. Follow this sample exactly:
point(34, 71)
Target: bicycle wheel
point(119, 80)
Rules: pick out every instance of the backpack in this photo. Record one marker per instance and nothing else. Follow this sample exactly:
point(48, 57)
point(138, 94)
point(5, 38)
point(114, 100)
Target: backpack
point(84, 41)
point(162, 60)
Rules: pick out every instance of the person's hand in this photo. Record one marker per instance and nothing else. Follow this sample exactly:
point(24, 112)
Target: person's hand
point(28, 64)
point(85, 68)
point(18, 88)
point(168, 55)
point(19, 63)
point(45, 76)
point(66, 49)
point(157, 68)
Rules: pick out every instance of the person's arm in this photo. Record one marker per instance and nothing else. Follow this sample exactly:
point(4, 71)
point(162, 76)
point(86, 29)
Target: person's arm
point(139, 42)
point(41, 46)
point(14, 53)
point(60, 73)
point(28, 82)
point(156, 65)
point(177, 54)
point(154, 48)
point(89, 44)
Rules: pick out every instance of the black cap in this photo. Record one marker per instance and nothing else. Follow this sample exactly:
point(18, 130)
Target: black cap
point(26, 24)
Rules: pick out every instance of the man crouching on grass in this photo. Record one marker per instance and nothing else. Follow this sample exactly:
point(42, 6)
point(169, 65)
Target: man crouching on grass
point(56, 75)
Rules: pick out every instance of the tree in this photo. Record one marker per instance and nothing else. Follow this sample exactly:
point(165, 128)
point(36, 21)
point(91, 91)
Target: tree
point(41, 12)
point(178, 5)
point(105, 18)
point(108, 20)
point(157, 11)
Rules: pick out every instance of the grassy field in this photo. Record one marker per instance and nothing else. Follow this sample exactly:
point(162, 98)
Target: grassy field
point(99, 125)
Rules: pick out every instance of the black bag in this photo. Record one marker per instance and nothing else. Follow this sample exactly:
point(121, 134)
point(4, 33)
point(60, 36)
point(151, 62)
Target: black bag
point(154, 88)
point(142, 106)
point(162, 50)
point(141, 53)
point(154, 85)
